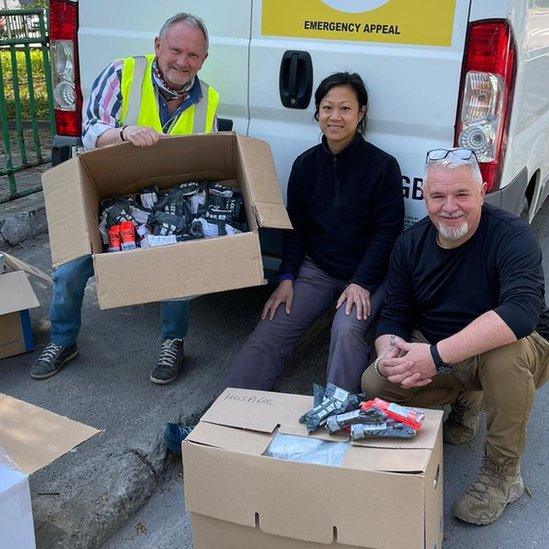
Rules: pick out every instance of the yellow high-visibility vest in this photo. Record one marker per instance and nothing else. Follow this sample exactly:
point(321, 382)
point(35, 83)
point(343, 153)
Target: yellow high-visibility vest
point(140, 105)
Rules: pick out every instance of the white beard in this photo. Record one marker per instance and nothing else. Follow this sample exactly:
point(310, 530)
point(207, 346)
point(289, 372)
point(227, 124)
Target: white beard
point(453, 233)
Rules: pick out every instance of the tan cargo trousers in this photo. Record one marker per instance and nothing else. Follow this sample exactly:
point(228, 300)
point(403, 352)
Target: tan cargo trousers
point(507, 376)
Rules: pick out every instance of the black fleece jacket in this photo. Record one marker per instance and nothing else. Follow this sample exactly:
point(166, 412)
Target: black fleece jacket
point(347, 210)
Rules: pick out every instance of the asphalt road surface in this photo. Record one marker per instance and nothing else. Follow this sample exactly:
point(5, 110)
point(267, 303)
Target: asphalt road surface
point(84, 498)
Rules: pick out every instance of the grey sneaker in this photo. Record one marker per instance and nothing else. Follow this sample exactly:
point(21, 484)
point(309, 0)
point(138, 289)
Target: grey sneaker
point(52, 359)
point(169, 362)
point(496, 485)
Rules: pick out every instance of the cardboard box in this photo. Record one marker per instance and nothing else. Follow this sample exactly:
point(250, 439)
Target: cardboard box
point(30, 438)
point(386, 493)
point(72, 192)
point(16, 298)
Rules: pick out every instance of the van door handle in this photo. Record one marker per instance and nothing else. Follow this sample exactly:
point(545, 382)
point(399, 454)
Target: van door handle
point(296, 79)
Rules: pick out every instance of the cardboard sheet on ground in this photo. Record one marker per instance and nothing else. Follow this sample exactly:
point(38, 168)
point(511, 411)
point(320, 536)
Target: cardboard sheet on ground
point(33, 437)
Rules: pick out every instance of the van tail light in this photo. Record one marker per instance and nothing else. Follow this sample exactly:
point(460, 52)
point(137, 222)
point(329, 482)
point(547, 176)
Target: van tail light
point(486, 94)
point(67, 96)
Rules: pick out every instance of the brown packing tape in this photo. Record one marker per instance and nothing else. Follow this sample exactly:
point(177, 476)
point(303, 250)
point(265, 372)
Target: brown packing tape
point(34, 437)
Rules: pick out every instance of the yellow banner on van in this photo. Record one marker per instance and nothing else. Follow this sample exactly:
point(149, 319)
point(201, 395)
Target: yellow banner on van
point(423, 22)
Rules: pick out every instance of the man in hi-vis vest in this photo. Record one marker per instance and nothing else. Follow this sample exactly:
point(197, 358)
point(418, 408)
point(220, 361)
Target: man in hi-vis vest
point(137, 99)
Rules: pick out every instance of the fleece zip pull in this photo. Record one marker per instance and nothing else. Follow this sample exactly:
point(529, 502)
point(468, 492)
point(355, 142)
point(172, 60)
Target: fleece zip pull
point(336, 182)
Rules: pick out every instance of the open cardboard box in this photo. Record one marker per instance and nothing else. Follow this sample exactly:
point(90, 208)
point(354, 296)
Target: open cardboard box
point(16, 298)
point(72, 192)
point(386, 492)
point(30, 439)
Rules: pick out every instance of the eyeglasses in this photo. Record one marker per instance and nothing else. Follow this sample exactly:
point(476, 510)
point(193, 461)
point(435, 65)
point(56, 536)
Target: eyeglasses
point(440, 154)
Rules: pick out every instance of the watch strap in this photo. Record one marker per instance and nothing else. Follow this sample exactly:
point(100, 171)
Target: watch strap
point(440, 365)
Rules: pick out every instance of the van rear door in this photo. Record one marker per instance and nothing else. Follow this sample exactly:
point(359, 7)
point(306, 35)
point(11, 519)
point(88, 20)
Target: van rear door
point(409, 53)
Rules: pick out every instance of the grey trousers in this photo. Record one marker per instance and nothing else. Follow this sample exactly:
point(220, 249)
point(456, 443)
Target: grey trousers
point(260, 361)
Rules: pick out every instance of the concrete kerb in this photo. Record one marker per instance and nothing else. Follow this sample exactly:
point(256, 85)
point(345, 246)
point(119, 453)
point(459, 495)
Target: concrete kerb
point(21, 219)
point(127, 478)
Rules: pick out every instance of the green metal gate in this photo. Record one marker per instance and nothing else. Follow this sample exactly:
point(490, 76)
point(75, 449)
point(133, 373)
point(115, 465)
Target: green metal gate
point(26, 97)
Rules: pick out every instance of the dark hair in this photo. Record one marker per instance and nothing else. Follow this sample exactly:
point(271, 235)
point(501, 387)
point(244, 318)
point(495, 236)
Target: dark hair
point(353, 81)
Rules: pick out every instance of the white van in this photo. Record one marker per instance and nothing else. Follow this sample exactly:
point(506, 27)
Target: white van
point(439, 73)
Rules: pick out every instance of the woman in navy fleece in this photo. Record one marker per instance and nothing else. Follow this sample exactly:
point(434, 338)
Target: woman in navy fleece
point(345, 204)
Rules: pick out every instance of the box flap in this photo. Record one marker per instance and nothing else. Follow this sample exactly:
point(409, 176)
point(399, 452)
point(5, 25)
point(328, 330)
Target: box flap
point(16, 293)
point(65, 211)
point(262, 181)
point(15, 264)
point(230, 438)
point(123, 168)
point(33, 437)
point(256, 410)
point(390, 460)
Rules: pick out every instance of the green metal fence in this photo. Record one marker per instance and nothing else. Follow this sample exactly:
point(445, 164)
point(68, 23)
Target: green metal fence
point(26, 97)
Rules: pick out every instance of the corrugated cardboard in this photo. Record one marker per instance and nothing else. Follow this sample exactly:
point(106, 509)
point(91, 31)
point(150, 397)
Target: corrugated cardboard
point(33, 437)
point(30, 438)
point(16, 298)
point(13, 264)
point(384, 494)
point(72, 192)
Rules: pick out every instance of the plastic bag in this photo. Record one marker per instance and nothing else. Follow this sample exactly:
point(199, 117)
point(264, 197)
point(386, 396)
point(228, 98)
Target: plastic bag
point(307, 450)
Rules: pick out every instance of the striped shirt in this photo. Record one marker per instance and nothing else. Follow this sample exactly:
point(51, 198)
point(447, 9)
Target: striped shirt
point(103, 109)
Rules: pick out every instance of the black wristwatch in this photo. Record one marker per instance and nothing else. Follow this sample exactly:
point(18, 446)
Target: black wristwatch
point(440, 365)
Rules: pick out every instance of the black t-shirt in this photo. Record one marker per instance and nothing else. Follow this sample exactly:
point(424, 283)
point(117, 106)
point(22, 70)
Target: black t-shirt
point(441, 291)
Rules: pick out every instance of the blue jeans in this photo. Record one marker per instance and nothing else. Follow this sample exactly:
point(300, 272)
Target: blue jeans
point(69, 282)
